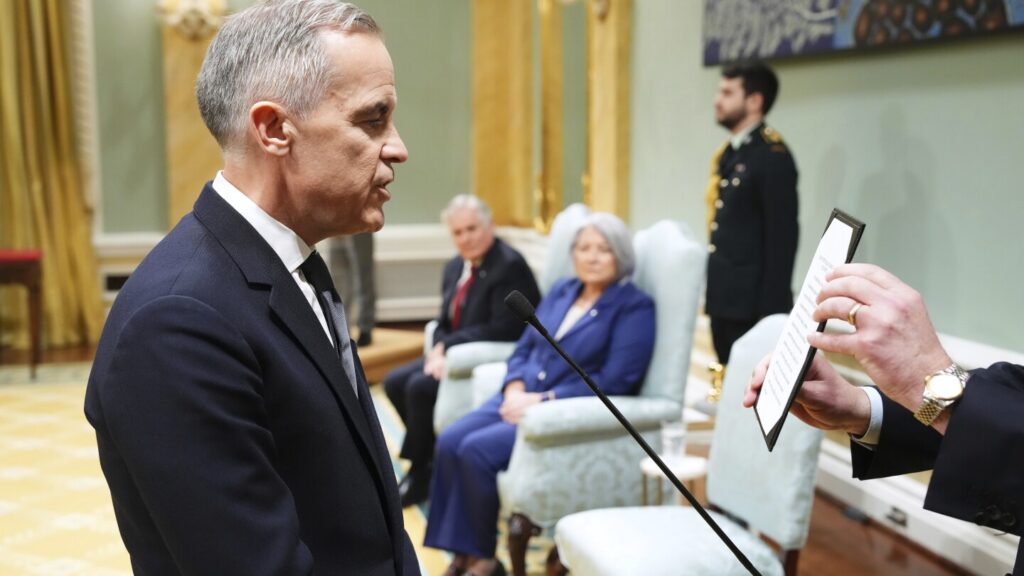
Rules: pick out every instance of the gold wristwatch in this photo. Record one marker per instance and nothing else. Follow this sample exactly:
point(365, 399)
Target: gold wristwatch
point(941, 390)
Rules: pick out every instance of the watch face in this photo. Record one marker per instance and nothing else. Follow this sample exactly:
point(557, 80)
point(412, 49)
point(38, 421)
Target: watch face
point(944, 386)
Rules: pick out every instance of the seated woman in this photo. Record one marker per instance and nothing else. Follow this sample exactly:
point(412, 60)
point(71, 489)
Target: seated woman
point(606, 324)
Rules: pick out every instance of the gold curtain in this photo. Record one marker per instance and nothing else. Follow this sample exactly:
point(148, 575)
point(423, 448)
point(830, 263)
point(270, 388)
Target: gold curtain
point(41, 193)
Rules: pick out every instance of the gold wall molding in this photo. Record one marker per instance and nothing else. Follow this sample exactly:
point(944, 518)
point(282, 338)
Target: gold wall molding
point(550, 191)
point(193, 19)
point(608, 105)
point(503, 108)
point(193, 157)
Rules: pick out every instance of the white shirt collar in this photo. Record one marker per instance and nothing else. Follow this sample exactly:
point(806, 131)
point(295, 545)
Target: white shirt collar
point(738, 139)
point(291, 249)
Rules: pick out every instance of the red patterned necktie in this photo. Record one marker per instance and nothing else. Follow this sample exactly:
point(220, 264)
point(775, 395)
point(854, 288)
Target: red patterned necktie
point(459, 301)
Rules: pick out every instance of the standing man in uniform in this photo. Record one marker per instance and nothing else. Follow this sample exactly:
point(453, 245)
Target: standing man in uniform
point(752, 210)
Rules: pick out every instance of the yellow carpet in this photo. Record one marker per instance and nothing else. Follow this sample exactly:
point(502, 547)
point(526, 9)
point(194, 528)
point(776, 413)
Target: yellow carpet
point(55, 512)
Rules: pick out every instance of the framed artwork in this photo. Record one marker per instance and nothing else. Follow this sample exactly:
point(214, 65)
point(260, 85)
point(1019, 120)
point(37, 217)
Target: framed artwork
point(737, 30)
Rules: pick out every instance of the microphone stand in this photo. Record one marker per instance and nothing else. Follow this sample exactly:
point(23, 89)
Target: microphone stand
point(533, 321)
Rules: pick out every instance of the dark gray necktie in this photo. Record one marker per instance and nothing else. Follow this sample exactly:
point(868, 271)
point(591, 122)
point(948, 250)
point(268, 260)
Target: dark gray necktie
point(317, 274)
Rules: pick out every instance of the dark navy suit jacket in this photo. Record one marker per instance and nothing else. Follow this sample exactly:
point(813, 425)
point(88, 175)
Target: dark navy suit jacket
point(232, 441)
point(484, 314)
point(978, 470)
point(613, 343)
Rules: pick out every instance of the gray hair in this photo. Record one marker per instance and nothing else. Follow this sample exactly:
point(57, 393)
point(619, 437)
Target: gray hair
point(618, 237)
point(271, 51)
point(467, 201)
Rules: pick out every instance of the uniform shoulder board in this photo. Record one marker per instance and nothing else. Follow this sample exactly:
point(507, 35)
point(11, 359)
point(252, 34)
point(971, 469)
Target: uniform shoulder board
point(771, 135)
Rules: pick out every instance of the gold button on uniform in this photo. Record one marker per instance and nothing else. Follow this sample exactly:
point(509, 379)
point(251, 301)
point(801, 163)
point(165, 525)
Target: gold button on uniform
point(723, 182)
point(714, 226)
point(735, 181)
point(719, 203)
point(712, 248)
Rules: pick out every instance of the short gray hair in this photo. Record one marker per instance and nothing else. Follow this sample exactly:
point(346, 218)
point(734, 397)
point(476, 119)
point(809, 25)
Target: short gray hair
point(271, 51)
point(618, 237)
point(467, 201)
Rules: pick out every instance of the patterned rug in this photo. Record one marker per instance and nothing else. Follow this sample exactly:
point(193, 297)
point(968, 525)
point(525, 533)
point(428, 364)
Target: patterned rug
point(55, 513)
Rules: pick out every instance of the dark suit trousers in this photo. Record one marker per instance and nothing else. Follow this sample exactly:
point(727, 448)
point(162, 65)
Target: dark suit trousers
point(725, 332)
point(413, 394)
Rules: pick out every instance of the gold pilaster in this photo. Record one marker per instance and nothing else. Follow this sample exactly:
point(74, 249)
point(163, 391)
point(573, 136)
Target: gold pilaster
point(193, 157)
point(552, 131)
point(608, 62)
point(503, 108)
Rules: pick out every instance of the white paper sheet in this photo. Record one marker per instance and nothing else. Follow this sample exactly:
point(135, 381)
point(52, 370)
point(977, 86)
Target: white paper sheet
point(792, 349)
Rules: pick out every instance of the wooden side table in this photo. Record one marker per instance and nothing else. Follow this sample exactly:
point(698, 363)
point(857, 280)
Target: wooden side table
point(688, 470)
point(25, 267)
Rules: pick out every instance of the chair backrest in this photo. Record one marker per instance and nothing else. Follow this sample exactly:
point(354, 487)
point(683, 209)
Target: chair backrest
point(772, 491)
point(670, 266)
point(558, 263)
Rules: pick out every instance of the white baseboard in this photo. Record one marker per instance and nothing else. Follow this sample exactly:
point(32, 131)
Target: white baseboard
point(897, 502)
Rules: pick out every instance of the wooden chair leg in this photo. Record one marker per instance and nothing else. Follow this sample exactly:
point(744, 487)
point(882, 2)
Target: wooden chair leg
point(520, 530)
point(790, 559)
point(554, 564)
point(35, 325)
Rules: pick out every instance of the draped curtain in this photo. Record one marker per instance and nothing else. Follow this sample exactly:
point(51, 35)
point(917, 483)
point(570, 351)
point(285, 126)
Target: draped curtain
point(42, 203)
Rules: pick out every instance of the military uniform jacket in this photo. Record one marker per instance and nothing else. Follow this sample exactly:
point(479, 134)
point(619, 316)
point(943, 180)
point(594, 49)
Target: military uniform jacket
point(754, 230)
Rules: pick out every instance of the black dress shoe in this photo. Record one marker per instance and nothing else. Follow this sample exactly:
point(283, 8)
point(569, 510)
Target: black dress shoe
point(365, 339)
point(414, 489)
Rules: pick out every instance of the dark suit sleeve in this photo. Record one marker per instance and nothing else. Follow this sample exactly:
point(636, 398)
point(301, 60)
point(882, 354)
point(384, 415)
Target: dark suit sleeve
point(449, 278)
point(629, 353)
point(501, 324)
point(979, 471)
point(183, 404)
point(905, 446)
point(978, 475)
point(781, 230)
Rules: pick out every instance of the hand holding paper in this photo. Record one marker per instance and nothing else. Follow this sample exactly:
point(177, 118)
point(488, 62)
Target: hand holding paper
point(792, 357)
point(826, 400)
point(894, 341)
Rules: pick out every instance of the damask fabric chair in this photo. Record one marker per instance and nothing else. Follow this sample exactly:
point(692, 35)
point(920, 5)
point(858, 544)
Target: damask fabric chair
point(771, 491)
point(455, 396)
point(572, 455)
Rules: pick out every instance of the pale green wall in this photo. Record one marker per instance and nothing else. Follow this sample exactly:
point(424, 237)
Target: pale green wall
point(130, 105)
point(925, 145)
point(430, 46)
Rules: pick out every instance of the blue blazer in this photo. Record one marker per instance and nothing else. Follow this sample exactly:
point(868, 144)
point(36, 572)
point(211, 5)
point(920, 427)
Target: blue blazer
point(228, 431)
point(613, 343)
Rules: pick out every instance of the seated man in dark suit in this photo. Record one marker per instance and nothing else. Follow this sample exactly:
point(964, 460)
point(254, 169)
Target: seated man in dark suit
point(233, 419)
point(473, 288)
point(927, 412)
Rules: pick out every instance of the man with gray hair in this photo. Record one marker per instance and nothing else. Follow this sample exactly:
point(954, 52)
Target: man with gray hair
point(234, 422)
point(473, 289)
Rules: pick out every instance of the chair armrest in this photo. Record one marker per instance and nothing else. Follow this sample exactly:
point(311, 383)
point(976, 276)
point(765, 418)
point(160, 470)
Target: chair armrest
point(460, 360)
point(574, 419)
point(428, 337)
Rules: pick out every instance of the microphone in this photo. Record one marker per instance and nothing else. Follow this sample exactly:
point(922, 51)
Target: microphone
point(522, 308)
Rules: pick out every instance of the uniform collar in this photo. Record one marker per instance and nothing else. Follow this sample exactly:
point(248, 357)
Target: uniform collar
point(741, 138)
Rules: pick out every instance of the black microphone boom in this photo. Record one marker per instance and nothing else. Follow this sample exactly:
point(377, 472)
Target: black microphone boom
point(522, 308)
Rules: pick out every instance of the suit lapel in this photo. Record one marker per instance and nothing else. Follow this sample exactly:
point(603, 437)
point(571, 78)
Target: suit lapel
point(602, 306)
point(261, 268)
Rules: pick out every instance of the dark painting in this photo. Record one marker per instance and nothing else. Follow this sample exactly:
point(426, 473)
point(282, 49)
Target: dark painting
point(761, 29)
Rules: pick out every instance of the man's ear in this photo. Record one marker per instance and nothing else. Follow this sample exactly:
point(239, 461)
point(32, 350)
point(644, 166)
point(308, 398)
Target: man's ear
point(272, 126)
point(755, 103)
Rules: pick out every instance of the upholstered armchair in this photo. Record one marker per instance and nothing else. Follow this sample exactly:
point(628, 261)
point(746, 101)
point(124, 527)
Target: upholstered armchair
point(455, 396)
point(572, 455)
point(771, 491)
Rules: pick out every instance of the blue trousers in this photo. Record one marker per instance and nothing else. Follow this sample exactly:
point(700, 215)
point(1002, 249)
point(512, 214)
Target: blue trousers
point(464, 490)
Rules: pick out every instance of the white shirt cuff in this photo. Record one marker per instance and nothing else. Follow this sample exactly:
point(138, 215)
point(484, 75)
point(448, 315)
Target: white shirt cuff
point(870, 438)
